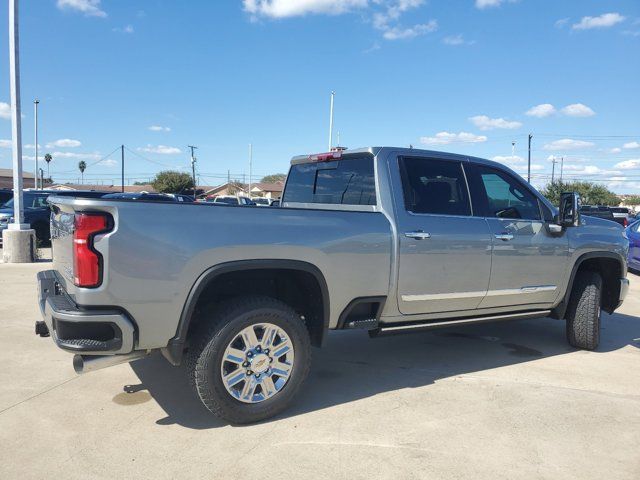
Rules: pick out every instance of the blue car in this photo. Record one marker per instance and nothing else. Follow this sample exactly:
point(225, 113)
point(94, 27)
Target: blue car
point(633, 233)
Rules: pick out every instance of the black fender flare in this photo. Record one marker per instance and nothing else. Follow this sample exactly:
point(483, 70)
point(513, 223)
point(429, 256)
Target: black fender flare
point(175, 347)
point(560, 309)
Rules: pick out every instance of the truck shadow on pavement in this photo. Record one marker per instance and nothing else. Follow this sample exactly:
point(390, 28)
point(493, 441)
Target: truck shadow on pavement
point(351, 366)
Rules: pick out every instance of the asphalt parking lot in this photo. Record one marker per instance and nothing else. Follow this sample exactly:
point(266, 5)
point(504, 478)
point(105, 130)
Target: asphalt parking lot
point(508, 400)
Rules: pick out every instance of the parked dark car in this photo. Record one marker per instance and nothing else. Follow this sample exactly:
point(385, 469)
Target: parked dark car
point(598, 211)
point(151, 197)
point(5, 195)
point(633, 234)
point(37, 211)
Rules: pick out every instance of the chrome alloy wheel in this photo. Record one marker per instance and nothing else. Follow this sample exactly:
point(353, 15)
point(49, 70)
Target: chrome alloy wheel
point(257, 363)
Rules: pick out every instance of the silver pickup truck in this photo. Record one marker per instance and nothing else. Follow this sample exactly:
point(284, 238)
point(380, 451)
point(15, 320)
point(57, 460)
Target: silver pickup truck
point(382, 239)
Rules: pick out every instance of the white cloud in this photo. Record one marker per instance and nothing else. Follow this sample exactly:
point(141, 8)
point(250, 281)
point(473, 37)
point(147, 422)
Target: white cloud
point(399, 33)
point(568, 144)
point(160, 149)
point(616, 150)
point(482, 4)
point(159, 128)
point(392, 11)
point(628, 164)
point(64, 143)
point(578, 110)
point(109, 162)
point(631, 145)
point(125, 29)
point(383, 14)
point(508, 159)
point(457, 40)
point(541, 111)
point(561, 23)
point(446, 138)
point(294, 8)
point(603, 21)
point(5, 110)
point(5, 144)
point(90, 8)
point(485, 123)
point(87, 156)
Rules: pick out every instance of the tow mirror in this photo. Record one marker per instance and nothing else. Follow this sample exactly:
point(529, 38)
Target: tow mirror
point(569, 215)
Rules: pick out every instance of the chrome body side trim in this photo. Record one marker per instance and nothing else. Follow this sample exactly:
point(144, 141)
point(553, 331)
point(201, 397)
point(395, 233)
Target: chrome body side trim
point(490, 293)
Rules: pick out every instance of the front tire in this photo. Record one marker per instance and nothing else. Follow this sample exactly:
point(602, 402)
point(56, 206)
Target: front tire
point(583, 311)
point(249, 359)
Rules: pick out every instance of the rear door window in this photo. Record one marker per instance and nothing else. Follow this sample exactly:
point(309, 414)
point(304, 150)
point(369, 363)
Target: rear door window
point(434, 186)
point(348, 181)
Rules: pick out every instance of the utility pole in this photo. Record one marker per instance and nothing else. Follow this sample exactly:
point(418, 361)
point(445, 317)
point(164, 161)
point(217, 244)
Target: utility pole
point(529, 161)
point(333, 94)
point(250, 166)
point(561, 167)
point(35, 116)
point(228, 177)
point(41, 179)
point(193, 168)
point(553, 169)
point(122, 156)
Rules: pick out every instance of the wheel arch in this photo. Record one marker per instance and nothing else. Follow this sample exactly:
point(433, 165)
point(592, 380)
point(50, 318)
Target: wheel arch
point(175, 347)
point(610, 265)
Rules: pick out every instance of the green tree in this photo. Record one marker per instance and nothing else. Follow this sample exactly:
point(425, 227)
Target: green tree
point(171, 181)
point(632, 200)
point(82, 166)
point(48, 158)
point(274, 178)
point(591, 193)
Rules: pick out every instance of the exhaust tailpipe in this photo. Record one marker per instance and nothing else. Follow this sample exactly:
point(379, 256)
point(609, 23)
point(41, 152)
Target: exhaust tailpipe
point(89, 363)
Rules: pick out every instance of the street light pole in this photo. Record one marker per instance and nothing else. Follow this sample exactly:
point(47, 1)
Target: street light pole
point(529, 161)
point(333, 94)
point(250, 166)
point(35, 116)
point(16, 127)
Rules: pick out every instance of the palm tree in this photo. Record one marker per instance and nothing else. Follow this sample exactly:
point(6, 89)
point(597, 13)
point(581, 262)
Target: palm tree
point(82, 165)
point(48, 158)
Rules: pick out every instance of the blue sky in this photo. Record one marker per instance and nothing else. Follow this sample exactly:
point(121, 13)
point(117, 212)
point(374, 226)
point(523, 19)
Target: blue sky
point(468, 76)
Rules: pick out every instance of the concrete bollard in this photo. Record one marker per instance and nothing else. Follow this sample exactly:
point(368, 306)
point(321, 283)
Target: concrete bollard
point(18, 246)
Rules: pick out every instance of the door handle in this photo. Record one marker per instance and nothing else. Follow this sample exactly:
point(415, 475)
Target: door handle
point(418, 235)
point(505, 237)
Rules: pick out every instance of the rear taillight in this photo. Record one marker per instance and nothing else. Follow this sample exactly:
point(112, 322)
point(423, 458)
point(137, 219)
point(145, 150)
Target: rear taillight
point(626, 222)
point(87, 262)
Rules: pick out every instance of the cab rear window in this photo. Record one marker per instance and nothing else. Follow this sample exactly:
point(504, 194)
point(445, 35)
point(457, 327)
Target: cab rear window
point(348, 181)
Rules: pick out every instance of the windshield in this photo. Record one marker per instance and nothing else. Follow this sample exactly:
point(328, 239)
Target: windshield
point(30, 200)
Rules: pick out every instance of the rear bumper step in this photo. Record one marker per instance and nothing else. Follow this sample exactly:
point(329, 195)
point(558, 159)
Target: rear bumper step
point(413, 327)
point(81, 330)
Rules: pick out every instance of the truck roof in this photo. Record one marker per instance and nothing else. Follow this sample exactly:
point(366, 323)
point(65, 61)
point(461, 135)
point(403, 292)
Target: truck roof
point(400, 150)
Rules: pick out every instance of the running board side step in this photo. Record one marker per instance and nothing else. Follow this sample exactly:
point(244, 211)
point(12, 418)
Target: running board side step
point(416, 327)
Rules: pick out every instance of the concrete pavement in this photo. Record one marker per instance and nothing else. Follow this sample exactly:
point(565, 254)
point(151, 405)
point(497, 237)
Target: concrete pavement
point(509, 400)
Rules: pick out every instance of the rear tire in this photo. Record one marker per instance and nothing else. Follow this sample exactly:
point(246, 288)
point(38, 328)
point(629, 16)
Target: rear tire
point(583, 311)
point(206, 359)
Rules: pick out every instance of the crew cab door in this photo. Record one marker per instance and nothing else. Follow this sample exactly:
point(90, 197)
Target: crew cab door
point(444, 251)
point(528, 262)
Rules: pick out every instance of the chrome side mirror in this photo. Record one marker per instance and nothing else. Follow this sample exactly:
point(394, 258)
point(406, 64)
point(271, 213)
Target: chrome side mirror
point(569, 215)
